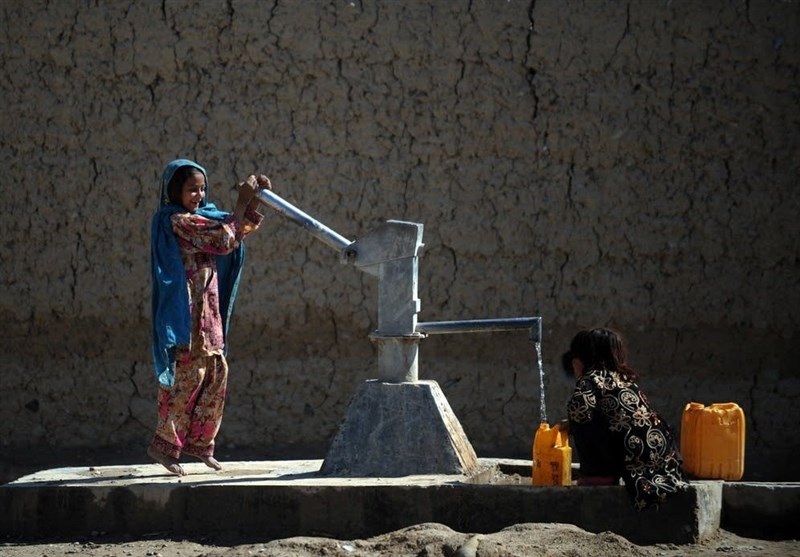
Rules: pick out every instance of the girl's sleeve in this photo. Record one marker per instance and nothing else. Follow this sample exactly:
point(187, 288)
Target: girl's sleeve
point(582, 402)
point(252, 220)
point(196, 233)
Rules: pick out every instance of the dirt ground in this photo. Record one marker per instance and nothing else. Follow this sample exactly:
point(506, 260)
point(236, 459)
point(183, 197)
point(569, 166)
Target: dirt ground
point(423, 540)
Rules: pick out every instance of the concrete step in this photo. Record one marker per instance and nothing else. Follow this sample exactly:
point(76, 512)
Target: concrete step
point(278, 499)
point(762, 510)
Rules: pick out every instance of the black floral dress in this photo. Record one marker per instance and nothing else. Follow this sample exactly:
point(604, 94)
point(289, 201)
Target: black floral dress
point(617, 433)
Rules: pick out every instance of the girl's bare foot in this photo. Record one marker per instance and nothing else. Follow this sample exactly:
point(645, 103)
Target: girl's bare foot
point(211, 462)
point(167, 462)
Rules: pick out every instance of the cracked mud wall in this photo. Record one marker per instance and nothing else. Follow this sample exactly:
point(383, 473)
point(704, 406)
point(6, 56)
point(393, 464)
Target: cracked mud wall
point(593, 163)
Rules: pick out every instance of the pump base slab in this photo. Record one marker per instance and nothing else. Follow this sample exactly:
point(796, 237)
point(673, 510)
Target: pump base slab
point(399, 429)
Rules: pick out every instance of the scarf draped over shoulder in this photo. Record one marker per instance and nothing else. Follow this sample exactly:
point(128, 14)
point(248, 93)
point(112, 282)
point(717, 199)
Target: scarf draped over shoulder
point(170, 303)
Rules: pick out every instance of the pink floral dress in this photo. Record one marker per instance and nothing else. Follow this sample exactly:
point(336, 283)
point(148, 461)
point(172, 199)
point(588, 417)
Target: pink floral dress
point(190, 411)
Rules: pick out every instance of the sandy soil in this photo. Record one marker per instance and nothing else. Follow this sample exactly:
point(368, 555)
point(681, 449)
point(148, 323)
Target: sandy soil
point(423, 540)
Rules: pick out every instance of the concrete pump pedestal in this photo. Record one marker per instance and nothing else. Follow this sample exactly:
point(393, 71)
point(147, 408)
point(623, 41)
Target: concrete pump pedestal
point(399, 429)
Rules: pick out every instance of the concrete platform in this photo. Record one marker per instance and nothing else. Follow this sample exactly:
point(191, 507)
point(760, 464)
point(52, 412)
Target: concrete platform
point(762, 510)
point(278, 499)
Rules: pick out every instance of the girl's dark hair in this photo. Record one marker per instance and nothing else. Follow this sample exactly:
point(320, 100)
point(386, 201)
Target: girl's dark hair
point(599, 349)
point(175, 186)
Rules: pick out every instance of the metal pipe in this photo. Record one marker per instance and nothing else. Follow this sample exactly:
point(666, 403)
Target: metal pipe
point(321, 232)
point(484, 325)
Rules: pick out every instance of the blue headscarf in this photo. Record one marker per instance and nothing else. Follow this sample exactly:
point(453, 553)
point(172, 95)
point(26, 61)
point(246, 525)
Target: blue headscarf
point(171, 318)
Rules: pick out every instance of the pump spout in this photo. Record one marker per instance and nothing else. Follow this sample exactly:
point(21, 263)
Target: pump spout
point(533, 324)
point(327, 236)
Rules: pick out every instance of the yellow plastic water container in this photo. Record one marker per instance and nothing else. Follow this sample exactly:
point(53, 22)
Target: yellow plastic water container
point(552, 457)
point(712, 441)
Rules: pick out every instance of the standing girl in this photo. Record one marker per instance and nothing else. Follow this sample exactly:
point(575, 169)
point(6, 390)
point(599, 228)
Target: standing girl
point(197, 256)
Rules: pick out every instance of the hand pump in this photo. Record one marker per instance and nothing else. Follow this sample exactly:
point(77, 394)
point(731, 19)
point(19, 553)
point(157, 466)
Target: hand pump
point(397, 425)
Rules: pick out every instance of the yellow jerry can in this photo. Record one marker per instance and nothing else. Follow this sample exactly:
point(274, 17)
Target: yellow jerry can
point(552, 457)
point(712, 441)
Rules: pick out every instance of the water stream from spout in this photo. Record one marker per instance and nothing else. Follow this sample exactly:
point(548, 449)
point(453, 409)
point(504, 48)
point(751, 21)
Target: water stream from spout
point(542, 409)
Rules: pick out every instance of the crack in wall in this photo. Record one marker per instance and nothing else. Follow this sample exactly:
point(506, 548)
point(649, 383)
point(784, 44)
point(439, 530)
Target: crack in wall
point(623, 36)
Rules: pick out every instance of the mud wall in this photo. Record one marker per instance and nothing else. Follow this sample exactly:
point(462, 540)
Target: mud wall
point(593, 163)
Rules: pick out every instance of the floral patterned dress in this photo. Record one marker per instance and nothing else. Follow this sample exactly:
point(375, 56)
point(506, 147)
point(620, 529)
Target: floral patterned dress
point(190, 410)
point(617, 433)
